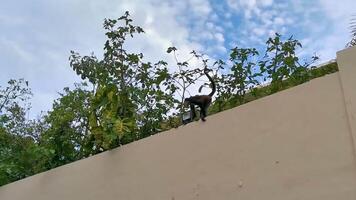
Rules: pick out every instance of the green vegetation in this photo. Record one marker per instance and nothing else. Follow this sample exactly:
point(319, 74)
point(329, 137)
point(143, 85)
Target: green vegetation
point(260, 92)
point(123, 98)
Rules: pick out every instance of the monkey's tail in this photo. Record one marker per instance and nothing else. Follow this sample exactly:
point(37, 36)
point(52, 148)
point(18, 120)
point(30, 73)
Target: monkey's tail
point(213, 87)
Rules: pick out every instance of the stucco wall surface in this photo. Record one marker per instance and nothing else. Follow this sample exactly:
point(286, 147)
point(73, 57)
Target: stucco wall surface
point(296, 144)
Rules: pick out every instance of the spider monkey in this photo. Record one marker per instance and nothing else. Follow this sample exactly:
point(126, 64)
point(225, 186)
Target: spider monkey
point(203, 101)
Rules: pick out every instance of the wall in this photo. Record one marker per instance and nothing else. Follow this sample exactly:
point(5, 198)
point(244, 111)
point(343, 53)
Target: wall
point(296, 144)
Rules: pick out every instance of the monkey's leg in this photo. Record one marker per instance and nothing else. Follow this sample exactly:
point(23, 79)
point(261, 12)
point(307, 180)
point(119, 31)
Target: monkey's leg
point(192, 112)
point(203, 113)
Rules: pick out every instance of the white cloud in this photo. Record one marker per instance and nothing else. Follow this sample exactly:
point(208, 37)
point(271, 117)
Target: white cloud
point(214, 17)
point(338, 9)
point(271, 33)
point(233, 4)
point(261, 18)
point(248, 3)
point(324, 22)
point(221, 48)
point(200, 7)
point(11, 47)
point(217, 49)
point(259, 31)
point(229, 24)
point(227, 15)
point(38, 49)
point(210, 25)
point(219, 37)
point(206, 35)
point(334, 36)
point(279, 21)
point(249, 6)
point(266, 2)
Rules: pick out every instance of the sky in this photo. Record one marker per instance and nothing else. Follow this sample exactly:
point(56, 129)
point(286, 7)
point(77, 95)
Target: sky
point(36, 36)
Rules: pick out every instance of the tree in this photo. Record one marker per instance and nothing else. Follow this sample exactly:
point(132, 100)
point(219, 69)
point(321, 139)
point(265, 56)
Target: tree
point(20, 155)
point(13, 106)
point(155, 97)
point(281, 62)
point(243, 76)
point(111, 118)
point(67, 133)
point(131, 96)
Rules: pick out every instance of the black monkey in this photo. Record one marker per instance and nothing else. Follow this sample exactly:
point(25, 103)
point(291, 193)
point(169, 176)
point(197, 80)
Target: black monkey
point(203, 101)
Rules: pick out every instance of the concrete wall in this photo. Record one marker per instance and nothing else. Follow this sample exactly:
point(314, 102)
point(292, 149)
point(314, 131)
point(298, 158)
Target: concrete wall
point(296, 144)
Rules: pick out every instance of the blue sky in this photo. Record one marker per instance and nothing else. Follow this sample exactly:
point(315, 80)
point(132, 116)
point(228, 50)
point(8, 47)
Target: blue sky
point(36, 36)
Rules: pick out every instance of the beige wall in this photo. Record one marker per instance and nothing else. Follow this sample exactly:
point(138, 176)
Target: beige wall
point(296, 144)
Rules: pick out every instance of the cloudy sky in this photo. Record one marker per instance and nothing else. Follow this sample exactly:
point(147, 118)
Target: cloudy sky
point(36, 36)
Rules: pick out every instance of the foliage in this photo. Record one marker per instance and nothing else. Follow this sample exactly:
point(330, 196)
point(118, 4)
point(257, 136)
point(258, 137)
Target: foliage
point(20, 156)
point(110, 117)
point(260, 92)
point(13, 106)
point(129, 102)
point(248, 70)
point(281, 62)
point(155, 97)
point(243, 76)
point(66, 135)
point(131, 99)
